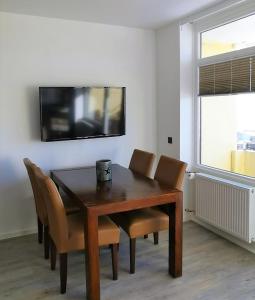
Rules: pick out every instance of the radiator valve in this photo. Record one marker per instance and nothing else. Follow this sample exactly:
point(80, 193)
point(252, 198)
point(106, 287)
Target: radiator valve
point(191, 175)
point(189, 211)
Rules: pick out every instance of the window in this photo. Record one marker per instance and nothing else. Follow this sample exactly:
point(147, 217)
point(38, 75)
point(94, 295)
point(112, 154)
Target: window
point(227, 97)
point(230, 37)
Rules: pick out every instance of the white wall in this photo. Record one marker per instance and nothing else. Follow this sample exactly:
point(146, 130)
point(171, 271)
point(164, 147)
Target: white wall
point(41, 51)
point(168, 92)
point(186, 88)
point(175, 98)
point(187, 123)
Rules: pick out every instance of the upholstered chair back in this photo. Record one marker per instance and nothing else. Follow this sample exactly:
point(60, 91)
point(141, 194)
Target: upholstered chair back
point(170, 171)
point(56, 211)
point(141, 162)
point(39, 202)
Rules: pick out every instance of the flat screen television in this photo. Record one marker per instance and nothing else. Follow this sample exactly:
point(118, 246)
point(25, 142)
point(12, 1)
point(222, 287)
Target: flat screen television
point(69, 113)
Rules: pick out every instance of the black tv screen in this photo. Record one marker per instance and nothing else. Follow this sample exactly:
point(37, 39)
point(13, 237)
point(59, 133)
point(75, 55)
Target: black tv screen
point(69, 113)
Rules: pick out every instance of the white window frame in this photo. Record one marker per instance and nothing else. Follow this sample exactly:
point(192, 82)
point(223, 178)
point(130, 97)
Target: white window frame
point(207, 23)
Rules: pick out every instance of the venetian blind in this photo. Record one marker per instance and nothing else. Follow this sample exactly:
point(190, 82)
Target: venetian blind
point(230, 77)
point(253, 74)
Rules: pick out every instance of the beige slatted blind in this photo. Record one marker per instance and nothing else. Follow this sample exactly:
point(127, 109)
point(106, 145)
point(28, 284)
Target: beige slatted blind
point(223, 78)
point(231, 77)
point(206, 81)
point(241, 75)
point(253, 74)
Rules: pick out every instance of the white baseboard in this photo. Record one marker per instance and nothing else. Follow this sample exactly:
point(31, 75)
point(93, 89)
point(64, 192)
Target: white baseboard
point(234, 240)
point(9, 235)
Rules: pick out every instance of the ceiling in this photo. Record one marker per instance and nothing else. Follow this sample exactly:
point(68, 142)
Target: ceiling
point(149, 14)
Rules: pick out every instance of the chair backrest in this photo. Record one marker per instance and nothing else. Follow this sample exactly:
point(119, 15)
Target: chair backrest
point(55, 208)
point(39, 201)
point(141, 162)
point(170, 171)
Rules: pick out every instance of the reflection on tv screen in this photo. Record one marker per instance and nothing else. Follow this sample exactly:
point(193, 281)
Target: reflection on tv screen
point(73, 113)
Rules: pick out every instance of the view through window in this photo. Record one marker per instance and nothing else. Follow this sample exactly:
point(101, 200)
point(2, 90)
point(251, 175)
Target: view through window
point(227, 120)
point(230, 37)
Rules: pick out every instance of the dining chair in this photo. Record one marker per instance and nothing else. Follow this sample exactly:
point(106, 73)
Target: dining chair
point(67, 232)
point(41, 212)
point(141, 162)
point(142, 222)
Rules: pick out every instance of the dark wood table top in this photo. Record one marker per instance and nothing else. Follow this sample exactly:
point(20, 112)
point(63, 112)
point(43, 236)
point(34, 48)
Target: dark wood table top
point(81, 183)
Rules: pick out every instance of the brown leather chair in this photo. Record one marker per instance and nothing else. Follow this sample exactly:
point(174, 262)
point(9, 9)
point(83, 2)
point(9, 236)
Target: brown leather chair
point(141, 162)
point(42, 218)
point(67, 232)
point(152, 220)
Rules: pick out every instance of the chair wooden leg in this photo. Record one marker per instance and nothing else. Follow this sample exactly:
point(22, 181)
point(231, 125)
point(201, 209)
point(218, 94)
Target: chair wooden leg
point(40, 230)
point(145, 236)
point(63, 272)
point(132, 243)
point(46, 242)
point(115, 252)
point(155, 236)
point(53, 253)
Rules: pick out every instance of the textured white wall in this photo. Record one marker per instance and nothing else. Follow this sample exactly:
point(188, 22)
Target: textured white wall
point(42, 51)
point(168, 89)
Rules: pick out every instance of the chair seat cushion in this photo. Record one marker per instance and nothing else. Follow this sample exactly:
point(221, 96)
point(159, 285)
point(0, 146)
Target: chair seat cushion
point(108, 232)
point(143, 221)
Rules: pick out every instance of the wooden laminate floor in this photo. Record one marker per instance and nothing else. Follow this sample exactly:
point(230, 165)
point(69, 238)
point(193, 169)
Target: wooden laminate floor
point(213, 269)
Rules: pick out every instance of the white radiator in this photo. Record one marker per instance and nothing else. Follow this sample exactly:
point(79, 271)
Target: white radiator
point(227, 205)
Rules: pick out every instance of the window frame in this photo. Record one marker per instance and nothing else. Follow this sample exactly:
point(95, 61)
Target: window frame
point(208, 23)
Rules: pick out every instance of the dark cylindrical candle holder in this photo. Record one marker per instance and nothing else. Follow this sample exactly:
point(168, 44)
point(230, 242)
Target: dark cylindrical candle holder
point(104, 170)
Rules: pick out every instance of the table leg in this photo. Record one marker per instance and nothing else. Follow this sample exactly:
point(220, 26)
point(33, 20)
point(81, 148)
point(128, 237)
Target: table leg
point(92, 256)
point(175, 237)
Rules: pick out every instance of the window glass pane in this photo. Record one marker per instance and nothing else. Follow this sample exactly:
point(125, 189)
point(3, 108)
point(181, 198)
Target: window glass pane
point(230, 37)
point(228, 133)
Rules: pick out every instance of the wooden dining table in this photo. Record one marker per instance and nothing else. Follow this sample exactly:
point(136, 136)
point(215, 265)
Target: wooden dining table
point(125, 192)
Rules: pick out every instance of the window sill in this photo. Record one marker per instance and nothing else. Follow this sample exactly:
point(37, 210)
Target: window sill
point(198, 168)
